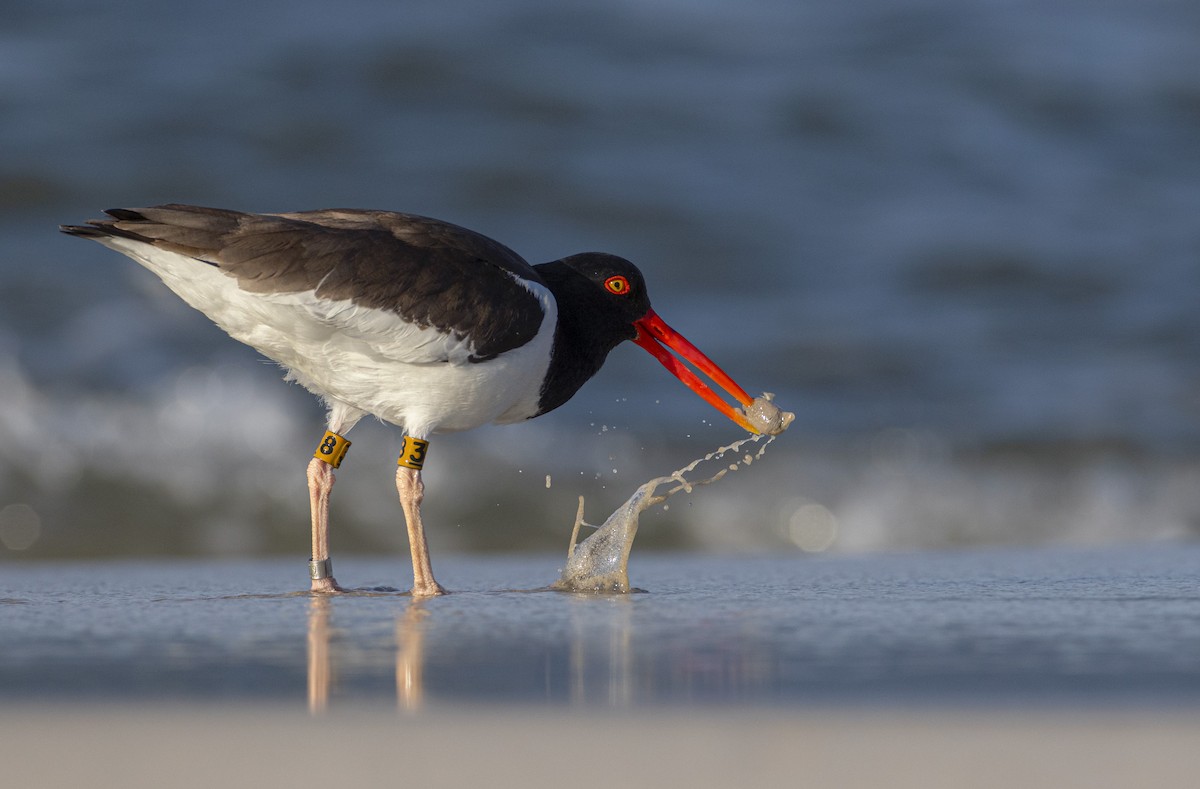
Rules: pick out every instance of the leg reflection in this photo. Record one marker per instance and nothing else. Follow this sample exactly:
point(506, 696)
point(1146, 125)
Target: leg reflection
point(319, 672)
point(410, 657)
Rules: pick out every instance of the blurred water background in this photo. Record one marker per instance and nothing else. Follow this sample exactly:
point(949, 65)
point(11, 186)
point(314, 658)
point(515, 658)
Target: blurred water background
point(959, 240)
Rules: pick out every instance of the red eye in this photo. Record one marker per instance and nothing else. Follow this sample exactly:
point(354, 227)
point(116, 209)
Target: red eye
point(618, 285)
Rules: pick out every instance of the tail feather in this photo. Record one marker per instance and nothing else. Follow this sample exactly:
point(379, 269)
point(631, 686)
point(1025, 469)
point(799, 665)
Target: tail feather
point(84, 231)
point(100, 229)
point(192, 230)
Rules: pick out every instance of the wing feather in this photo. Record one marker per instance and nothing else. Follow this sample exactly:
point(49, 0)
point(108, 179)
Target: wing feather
point(428, 274)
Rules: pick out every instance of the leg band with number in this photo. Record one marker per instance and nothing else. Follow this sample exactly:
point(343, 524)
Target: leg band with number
point(413, 453)
point(332, 449)
point(320, 570)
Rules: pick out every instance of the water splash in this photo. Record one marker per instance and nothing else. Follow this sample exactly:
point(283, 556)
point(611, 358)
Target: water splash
point(601, 562)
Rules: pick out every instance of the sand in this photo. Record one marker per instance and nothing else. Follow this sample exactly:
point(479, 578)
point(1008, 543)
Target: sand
point(1011, 669)
point(766, 417)
point(499, 747)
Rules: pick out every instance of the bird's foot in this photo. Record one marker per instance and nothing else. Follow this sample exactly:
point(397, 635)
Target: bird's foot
point(430, 589)
point(327, 585)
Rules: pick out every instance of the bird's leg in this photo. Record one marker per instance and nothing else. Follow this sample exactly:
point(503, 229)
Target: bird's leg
point(412, 491)
point(320, 483)
point(328, 456)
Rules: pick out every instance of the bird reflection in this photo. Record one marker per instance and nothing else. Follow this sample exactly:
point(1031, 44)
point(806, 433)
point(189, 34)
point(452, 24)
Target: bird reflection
point(598, 654)
point(319, 670)
point(410, 657)
point(409, 652)
point(602, 653)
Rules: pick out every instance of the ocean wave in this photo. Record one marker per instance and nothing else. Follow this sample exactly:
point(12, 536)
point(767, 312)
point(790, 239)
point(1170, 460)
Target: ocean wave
point(212, 462)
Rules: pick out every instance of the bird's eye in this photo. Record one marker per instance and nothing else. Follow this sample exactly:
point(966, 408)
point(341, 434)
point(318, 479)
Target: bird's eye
point(618, 285)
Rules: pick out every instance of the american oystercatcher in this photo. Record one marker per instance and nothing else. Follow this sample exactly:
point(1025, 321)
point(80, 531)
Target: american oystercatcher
point(421, 323)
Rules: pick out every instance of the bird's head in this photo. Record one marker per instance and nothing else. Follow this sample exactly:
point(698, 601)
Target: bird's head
point(620, 291)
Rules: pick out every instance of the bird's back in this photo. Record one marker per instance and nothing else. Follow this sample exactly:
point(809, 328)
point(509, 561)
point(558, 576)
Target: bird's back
point(428, 272)
point(393, 314)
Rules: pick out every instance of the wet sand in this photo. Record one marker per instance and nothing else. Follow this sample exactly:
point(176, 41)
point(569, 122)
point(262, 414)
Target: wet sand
point(103, 746)
point(975, 669)
point(1071, 630)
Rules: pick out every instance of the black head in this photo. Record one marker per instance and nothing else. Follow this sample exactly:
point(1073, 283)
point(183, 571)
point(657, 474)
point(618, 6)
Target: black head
point(599, 298)
point(606, 291)
point(602, 301)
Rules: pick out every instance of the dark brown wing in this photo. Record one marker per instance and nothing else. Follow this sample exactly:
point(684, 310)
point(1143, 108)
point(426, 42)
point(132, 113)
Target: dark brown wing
point(429, 272)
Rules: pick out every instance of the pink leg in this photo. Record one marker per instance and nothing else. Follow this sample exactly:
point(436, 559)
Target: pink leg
point(412, 491)
point(320, 483)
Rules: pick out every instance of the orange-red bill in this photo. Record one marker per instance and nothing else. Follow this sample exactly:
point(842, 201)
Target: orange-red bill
point(653, 333)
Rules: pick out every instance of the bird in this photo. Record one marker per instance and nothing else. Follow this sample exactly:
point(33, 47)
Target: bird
point(418, 322)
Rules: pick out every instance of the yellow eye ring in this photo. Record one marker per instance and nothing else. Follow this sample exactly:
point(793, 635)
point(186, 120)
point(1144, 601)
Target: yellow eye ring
point(618, 285)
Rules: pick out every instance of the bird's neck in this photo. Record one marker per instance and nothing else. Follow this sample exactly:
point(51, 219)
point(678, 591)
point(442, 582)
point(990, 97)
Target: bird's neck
point(582, 339)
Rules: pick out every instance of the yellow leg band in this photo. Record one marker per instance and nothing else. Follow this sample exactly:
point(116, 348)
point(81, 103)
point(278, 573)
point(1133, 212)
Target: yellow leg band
point(332, 449)
point(413, 454)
